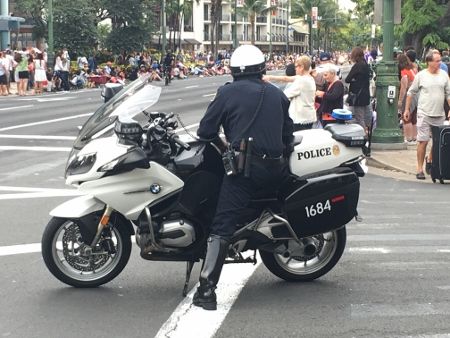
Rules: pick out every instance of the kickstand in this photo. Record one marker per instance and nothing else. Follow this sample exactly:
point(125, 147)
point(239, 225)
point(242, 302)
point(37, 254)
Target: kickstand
point(189, 266)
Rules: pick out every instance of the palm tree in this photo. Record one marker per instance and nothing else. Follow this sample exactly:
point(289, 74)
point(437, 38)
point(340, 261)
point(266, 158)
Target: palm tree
point(328, 10)
point(252, 9)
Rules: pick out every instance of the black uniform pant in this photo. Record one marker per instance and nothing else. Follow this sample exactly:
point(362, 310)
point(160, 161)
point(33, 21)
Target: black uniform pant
point(237, 191)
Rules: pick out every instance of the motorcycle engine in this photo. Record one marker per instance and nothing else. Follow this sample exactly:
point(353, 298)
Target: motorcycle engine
point(177, 233)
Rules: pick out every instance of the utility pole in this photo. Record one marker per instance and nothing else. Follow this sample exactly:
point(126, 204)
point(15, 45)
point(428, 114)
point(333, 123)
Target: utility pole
point(163, 27)
point(387, 130)
point(51, 50)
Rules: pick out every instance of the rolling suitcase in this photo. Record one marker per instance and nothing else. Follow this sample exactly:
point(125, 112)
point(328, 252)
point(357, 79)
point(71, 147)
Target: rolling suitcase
point(440, 168)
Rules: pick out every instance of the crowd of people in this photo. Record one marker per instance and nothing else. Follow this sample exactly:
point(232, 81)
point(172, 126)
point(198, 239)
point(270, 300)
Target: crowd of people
point(315, 88)
point(29, 68)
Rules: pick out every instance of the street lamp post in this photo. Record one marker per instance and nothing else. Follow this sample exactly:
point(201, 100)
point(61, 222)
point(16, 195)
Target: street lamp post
point(387, 85)
point(270, 34)
point(163, 27)
point(50, 51)
point(287, 27)
point(235, 42)
point(309, 33)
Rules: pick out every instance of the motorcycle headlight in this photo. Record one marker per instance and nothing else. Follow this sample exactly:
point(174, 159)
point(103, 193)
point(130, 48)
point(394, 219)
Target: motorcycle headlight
point(133, 159)
point(109, 166)
point(81, 164)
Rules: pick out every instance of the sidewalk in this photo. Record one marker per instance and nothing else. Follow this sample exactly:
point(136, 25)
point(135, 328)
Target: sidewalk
point(400, 160)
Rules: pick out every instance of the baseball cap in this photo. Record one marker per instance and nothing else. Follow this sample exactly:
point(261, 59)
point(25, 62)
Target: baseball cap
point(324, 56)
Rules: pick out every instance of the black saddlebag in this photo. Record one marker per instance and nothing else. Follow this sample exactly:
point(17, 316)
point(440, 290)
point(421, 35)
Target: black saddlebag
point(320, 203)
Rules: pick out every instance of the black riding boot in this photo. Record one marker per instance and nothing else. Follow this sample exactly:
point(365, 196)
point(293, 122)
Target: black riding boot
point(216, 253)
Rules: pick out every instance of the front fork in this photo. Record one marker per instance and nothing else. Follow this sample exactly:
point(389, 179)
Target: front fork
point(102, 225)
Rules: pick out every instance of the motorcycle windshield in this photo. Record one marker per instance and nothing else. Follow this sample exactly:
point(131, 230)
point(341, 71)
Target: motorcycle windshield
point(127, 104)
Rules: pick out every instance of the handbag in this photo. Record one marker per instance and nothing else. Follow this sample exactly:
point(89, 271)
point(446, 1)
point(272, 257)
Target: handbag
point(352, 98)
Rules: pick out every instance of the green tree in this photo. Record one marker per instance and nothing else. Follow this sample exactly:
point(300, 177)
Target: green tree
point(75, 25)
point(177, 10)
point(425, 24)
point(215, 12)
point(131, 23)
point(252, 9)
point(332, 20)
point(35, 9)
point(364, 7)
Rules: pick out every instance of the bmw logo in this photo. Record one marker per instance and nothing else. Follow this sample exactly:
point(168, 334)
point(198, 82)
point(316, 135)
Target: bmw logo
point(155, 188)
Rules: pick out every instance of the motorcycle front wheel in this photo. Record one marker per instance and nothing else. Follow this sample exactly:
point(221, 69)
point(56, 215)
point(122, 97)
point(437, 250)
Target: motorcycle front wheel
point(300, 263)
point(77, 264)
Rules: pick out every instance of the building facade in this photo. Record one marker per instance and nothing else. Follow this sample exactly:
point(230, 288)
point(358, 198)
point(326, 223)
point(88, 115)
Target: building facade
point(274, 30)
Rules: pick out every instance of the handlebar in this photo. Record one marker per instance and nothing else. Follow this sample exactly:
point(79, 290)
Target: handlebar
point(175, 138)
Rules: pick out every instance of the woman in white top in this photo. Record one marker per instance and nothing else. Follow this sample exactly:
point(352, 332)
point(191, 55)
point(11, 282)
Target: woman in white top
point(301, 92)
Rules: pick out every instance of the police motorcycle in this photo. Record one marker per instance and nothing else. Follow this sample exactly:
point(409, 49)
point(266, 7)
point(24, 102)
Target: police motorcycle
point(137, 176)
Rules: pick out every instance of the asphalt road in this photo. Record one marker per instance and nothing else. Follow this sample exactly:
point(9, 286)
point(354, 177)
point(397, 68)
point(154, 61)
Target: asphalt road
point(393, 279)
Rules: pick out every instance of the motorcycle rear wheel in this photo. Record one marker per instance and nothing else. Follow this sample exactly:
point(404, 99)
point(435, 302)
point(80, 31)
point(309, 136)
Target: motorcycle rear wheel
point(65, 256)
point(303, 268)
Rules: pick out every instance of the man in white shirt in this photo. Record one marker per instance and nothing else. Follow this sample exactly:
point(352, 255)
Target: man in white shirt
point(10, 64)
point(433, 86)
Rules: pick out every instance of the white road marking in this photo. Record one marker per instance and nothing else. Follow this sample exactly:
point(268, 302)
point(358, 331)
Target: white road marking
point(64, 98)
point(64, 149)
point(28, 192)
point(42, 194)
point(369, 250)
point(20, 249)
point(39, 137)
point(28, 248)
point(399, 310)
point(183, 322)
point(206, 95)
point(28, 189)
point(45, 122)
point(17, 107)
point(187, 127)
point(192, 86)
point(442, 335)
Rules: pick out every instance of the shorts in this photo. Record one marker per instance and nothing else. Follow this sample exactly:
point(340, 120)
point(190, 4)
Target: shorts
point(423, 126)
point(24, 75)
point(3, 80)
point(362, 115)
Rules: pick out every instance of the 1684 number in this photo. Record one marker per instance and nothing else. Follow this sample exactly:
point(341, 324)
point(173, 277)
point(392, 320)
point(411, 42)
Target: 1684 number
point(317, 209)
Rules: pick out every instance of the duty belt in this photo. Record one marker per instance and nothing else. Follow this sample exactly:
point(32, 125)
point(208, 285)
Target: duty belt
point(263, 157)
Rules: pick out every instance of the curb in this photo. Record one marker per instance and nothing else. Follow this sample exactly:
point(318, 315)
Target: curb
point(373, 162)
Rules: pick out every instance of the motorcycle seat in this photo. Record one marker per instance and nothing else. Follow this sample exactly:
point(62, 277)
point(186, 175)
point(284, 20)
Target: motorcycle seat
point(352, 134)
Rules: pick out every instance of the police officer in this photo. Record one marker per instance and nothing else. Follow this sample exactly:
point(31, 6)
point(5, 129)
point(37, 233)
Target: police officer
point(246, 108)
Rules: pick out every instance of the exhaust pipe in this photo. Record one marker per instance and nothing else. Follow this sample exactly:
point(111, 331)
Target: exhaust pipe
point(309, 246)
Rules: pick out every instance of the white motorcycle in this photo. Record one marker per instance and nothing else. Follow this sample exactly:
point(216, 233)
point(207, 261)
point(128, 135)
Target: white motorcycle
point(137, 177)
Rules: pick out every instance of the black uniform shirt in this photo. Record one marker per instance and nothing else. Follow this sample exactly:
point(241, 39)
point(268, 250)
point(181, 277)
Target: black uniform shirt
point(359, 79)
point(234, 107)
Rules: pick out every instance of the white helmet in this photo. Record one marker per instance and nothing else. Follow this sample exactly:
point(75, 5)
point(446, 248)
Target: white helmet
point(247, 60)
